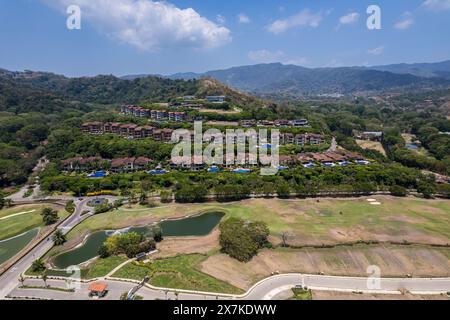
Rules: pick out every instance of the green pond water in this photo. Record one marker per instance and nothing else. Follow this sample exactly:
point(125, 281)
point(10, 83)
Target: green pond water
point(194, 226)
point(10, 247)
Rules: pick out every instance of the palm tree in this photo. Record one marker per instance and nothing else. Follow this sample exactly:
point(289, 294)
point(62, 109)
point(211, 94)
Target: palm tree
point(59, 238)
point(21, 279)
point(44, 278)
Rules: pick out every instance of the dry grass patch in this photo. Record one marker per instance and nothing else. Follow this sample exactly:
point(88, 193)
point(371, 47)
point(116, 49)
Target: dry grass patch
point(394, 261)
point(372, 145)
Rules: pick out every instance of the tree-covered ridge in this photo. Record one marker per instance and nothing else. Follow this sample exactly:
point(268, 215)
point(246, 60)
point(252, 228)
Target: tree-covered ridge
point(50, 89)
point(20, 98)
point(295, 81)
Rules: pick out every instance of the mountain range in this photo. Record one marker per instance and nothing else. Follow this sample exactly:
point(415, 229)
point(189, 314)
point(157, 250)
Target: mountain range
point(295, 81)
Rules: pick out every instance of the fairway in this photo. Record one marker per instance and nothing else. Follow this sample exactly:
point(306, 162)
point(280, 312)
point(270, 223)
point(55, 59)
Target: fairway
point(20, 219)
point(310, 221)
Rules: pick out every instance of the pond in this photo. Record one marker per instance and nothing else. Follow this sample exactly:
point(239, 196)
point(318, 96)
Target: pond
point(10, 247)
point(194, 226)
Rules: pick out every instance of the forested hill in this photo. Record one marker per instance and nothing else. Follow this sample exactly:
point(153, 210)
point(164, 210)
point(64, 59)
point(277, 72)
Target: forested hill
point(18, 86)
point(16, 98)
point(296, 81)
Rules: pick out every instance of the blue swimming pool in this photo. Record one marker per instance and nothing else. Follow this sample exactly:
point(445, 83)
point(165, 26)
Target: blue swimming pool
point(242, 170)
point(98, 174)
point(156, 172)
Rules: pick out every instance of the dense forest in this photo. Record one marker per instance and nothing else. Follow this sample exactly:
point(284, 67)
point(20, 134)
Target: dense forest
point(41, 114)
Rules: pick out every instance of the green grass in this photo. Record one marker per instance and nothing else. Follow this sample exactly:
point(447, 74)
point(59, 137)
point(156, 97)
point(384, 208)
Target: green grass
point(309, 218)
point(179, 272)
point(300, 294)
point(16, 225)
point(101, 267)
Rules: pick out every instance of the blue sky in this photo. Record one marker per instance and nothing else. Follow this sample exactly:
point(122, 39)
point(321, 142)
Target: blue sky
point(140, 36)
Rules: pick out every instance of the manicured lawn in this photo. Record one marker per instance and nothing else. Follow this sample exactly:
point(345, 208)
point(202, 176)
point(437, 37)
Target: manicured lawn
point(309, 221)
point(20, 219)
point(179, 272)
point(101, 267)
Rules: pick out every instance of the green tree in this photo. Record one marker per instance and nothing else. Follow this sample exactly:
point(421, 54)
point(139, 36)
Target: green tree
point(166, 196)
point(38, 266)
point(44, 278)
point(59, 238)
point(49, 216)
point(241, 239)
point(143, 198)
point(117, 204)
point(398, 191)
point(157, 233)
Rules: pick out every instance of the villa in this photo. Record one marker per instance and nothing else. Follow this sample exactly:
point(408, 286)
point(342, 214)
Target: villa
point(215, 99)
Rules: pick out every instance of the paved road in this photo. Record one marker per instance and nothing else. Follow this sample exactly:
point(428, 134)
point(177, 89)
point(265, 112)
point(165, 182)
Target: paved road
point(270, 287)
point(9, 280)
point(264, 290)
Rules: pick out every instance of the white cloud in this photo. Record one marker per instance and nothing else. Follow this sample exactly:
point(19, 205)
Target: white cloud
point(376, 51)
point(149, 25)
point(406, 22)
point(350, 18)
point(243, 19)
point(300, 61)
point(304, 18)
point(220, 19)
point(266, 56)
point(437, 5)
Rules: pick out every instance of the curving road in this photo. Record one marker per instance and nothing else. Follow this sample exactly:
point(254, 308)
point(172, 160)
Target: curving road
point(9, 280)
point(263, 290)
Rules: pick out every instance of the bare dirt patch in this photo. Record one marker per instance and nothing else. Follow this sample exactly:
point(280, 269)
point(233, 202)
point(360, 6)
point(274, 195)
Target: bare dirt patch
point(394, 261)
point(170, 247)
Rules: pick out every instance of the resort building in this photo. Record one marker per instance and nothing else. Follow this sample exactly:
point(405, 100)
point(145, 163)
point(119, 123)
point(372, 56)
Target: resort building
point(122, 165)
point(301, 139)
point(369, 135)
point(215, 99)
point(81, 164)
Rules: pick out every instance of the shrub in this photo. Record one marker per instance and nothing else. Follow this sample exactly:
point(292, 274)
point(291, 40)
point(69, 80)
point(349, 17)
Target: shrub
point(241, 239)
point(70, 207)
point(103, 208)
point(398, 191)
point(166, 196)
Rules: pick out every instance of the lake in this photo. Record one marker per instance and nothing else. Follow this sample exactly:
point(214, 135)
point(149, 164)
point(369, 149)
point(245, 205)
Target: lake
point(10, 247)
point(194, 226)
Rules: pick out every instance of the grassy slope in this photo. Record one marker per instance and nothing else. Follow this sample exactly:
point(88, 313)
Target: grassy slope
point(98, 268)
point(308, 220)
point(16, 225)
point(179, 272)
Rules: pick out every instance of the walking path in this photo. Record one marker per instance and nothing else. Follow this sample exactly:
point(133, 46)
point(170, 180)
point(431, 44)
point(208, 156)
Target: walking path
point(17, 214)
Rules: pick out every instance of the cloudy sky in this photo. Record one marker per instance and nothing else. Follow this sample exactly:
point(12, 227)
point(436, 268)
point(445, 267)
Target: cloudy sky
point(143, 36)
